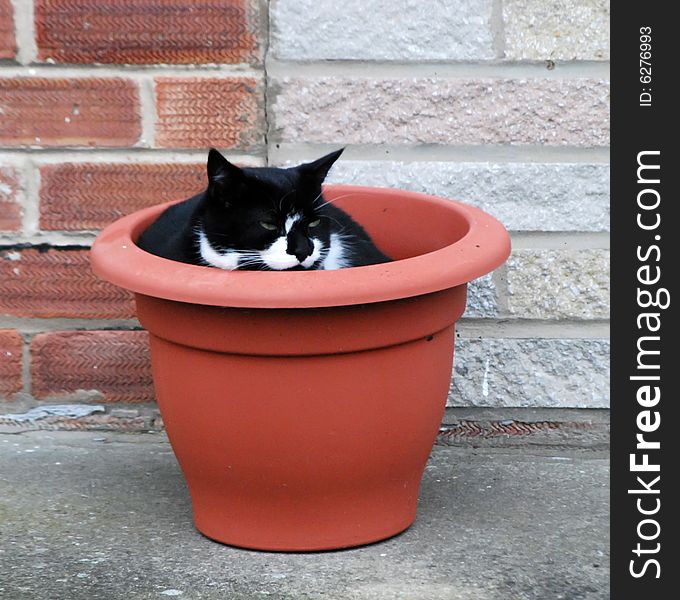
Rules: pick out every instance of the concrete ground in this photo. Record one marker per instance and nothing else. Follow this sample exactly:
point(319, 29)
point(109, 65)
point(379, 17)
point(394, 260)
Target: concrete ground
point(92, 515)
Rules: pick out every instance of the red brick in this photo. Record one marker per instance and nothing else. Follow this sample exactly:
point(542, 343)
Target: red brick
point(10, 210)
point(148, 31)
point(115, 363)
point(42, 111)
point(197, 112)
point(77, 196)
point(8, 46)
point(50, 282)
point(11, 379)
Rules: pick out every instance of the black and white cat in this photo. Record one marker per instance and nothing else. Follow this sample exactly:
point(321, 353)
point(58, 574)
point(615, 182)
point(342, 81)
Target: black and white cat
point(262, 218)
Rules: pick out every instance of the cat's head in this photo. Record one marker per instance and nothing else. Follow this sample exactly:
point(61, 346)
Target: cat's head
point(265, 218)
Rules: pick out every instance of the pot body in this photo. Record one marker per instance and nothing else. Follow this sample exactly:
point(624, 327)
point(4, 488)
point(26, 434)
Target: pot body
point(303, 429)
point(302, 406)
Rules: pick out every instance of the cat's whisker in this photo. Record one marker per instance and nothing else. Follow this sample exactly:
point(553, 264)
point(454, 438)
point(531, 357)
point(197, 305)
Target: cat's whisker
point(245, 265)
point(332, 219)
point(246, 252)
point(334, 200)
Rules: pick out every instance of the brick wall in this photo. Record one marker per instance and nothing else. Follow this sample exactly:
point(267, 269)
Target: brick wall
point(106, 107)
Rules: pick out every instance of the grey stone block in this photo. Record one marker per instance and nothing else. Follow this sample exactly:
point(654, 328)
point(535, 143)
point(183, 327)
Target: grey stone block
point(556, 30)
point(381, 30)
point(523, 196)
point(482, 298)
point(558, 284)
point(564, 373)
point(457, 111)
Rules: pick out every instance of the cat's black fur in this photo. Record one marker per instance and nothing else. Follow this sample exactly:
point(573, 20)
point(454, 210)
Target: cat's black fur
point(264, 219)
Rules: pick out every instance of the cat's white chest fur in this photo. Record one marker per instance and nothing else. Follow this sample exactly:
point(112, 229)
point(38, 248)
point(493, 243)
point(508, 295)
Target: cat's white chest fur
point(335, 258)
point(227, 261)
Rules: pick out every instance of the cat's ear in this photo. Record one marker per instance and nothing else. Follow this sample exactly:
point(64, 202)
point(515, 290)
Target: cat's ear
point(221, 173)
point(318, 169)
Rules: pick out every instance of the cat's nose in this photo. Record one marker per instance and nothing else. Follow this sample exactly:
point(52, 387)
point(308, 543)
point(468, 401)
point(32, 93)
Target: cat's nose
point(299, 246)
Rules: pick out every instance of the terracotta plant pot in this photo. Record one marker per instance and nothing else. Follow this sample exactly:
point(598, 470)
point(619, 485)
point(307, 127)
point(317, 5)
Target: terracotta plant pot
point(302, 406)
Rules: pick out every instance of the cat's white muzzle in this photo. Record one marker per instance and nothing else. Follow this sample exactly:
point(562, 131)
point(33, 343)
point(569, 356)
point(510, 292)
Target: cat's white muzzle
point(277, 258)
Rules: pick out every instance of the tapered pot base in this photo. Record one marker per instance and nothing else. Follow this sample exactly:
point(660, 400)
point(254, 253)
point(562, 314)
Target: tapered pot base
point(330, 542)
point(303, 453)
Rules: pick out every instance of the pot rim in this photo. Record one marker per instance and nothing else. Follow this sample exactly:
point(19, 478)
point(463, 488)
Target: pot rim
point(116, 258)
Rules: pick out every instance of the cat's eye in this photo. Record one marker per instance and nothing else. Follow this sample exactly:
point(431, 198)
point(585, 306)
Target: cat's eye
point(314, 223)
point(268, 226)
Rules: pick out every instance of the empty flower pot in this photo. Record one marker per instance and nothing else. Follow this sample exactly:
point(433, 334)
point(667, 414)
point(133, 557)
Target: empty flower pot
point(302, 406)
